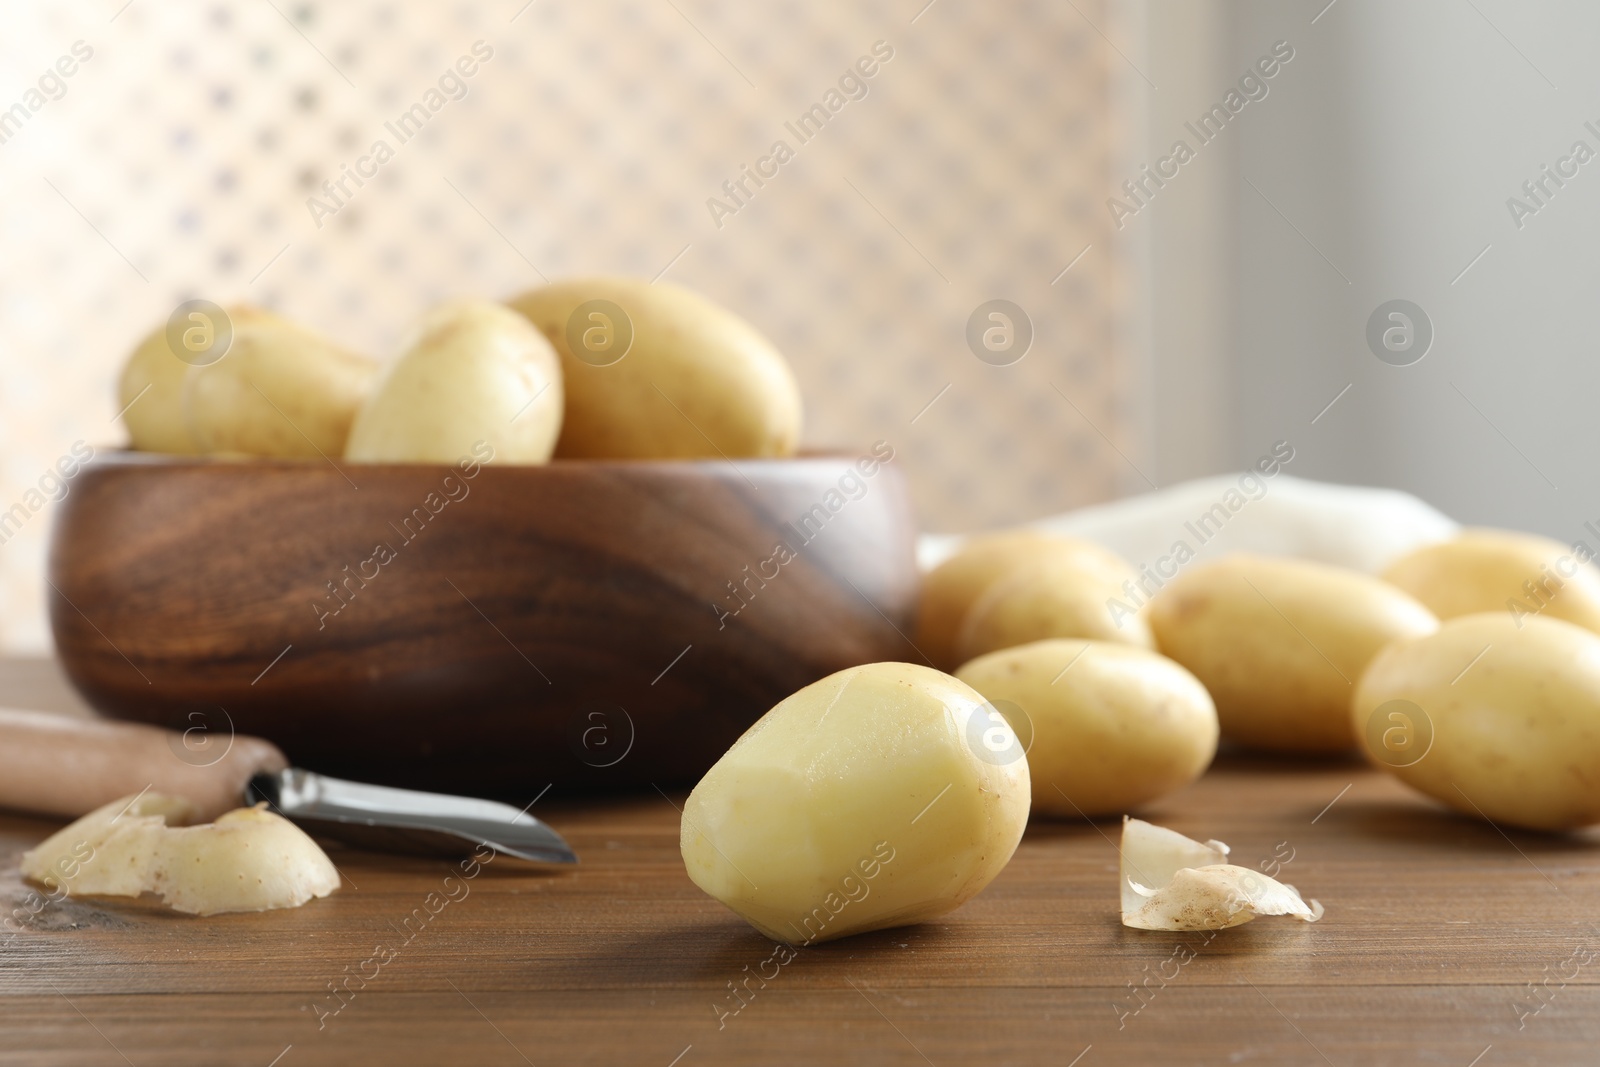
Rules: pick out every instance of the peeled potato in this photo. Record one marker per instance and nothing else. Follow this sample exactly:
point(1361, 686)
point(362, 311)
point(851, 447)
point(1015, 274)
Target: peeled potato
point(1492, 718)
point(281, 390)
point(657, 371)
point(248, 860)
point(1111, 726)
point(1280, 643)
point(869, 799)
point(1062, 597)
point(1498, 570)
point(950, 589)
point(473, 371)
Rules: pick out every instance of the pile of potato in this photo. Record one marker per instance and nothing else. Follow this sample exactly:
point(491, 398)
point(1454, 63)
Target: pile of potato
point(1489, 639)
point(1062, 680)
point(1470, 669)
point(588, 368)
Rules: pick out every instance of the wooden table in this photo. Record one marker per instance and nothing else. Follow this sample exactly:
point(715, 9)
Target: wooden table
point(1435, 928)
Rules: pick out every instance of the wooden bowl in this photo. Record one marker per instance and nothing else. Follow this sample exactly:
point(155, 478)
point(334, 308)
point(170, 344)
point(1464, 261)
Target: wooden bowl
point(585, 623)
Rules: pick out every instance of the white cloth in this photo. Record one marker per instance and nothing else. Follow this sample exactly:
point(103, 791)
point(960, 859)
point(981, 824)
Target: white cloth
point(1361, 528)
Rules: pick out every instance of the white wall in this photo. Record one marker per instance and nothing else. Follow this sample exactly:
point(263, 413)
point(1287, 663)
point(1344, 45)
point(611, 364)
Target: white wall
point(1391, 142)
point(1190, 228)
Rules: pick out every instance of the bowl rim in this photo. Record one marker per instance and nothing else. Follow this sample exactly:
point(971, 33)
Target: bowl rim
point(123, 456)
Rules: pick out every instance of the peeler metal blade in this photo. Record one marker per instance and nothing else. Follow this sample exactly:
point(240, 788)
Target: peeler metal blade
point(405, 820)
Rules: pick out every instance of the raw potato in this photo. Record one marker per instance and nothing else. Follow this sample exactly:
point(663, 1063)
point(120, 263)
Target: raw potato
point(866, 800)
point(150, 394)
point(1216, 898)
point(1111, 726)
point(248, 860)
point(1171, 882)
point(1061, 597)
point(280, 391)
point(472, 371)
point(696, 381)
point(1507, 716)
point(1498, 570)
point(1280, 644)
point(950, 589)
point(1151, 855)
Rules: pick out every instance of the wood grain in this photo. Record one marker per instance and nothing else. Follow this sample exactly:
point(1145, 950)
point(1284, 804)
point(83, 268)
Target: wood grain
point(1436, 925)
point(479, 656)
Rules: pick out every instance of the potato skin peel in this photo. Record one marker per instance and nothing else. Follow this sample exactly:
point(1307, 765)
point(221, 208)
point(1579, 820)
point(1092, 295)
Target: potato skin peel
point(248, 860)
point(1172, 882)
point(1218, 897)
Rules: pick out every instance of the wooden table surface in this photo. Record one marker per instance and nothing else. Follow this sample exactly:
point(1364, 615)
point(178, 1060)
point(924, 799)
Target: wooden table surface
point(1446, 942)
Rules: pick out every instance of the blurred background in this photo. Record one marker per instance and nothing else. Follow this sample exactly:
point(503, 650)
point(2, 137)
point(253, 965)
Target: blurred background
point(1179, 327)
